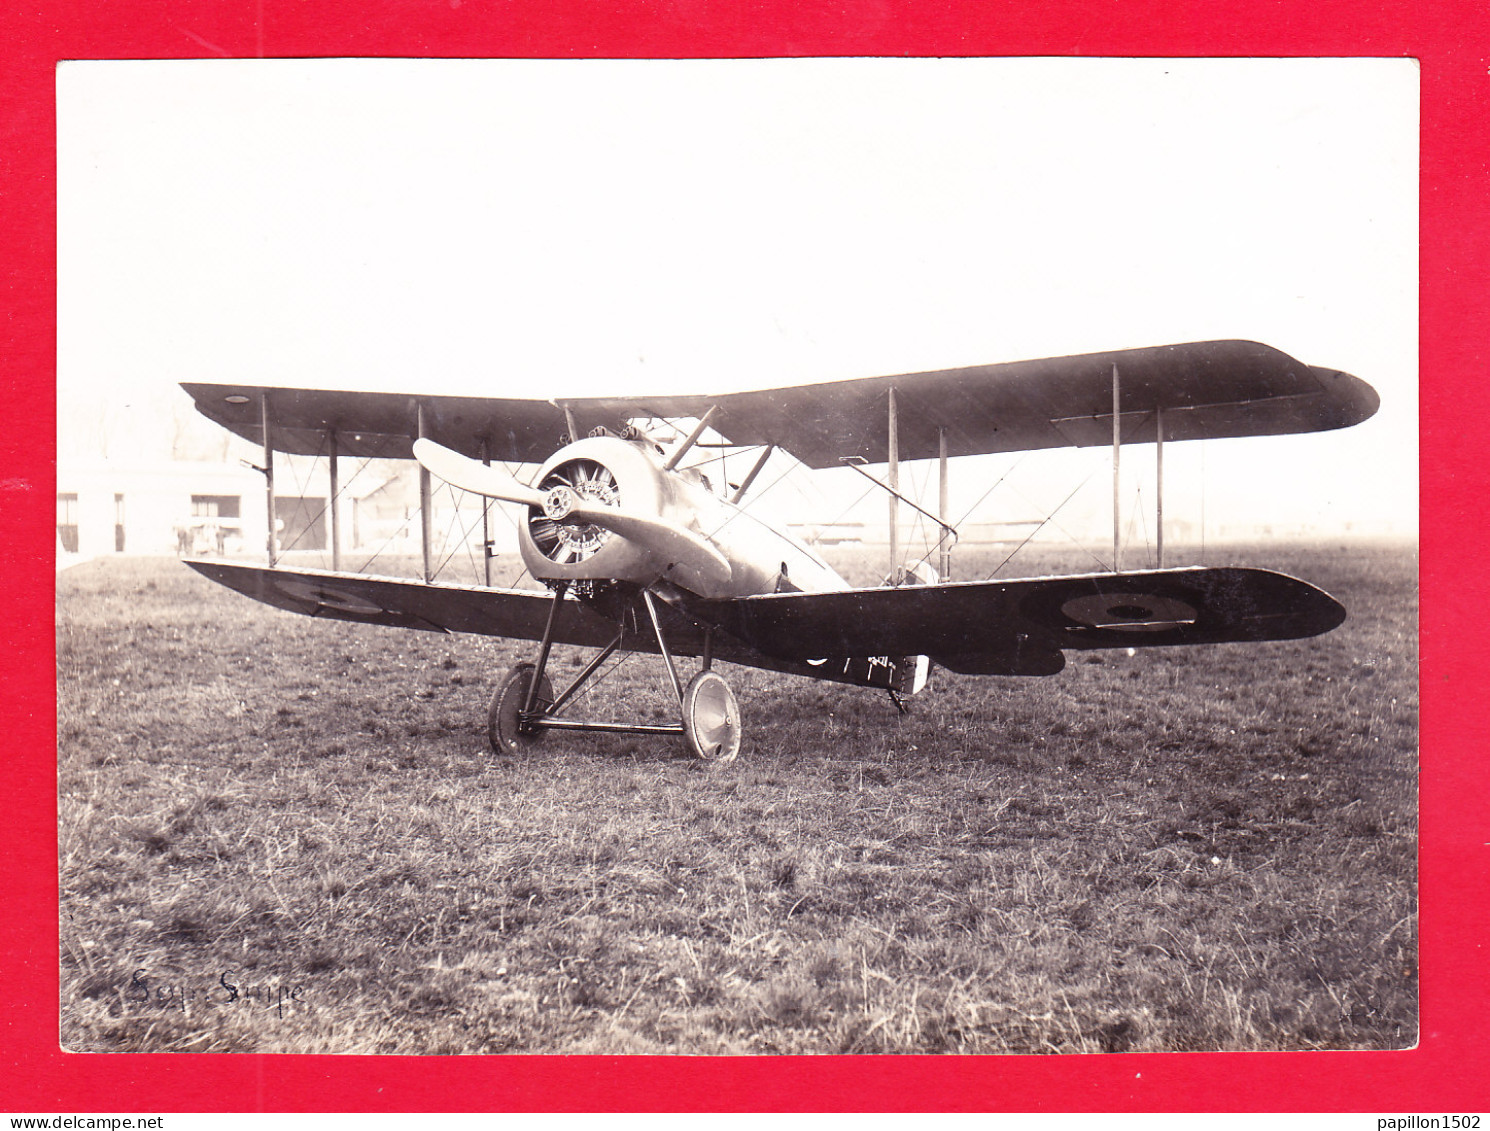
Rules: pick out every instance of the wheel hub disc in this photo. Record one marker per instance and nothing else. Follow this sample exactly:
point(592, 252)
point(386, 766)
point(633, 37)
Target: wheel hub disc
point(711, 718)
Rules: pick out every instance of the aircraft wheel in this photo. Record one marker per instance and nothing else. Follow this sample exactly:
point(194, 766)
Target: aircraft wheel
point(507, 736)
point(711, 718)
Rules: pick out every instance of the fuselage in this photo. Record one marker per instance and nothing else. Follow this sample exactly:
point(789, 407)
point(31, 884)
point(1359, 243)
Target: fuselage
point(630, 474)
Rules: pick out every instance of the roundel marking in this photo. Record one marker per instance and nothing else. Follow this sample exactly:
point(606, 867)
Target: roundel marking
point(1130, 612)
point(329, 597)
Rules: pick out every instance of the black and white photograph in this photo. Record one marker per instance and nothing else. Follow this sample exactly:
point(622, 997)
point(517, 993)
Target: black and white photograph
point(737, 557)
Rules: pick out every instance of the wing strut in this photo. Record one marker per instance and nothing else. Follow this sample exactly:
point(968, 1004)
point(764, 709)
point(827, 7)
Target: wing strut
point(425, 517)
point(1117, 447)
point(272, 541)
point(1117, 453)
point(1159, 479)
point(698, 430)
point(335, 500)
point(760, 465)
point(944, 547)
point(893, 475)
point(486, 519)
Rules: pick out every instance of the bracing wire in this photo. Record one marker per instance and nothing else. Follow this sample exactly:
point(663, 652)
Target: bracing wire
point(1202, 503)
point(300, 485)
point(918, 522)
point(1140, 517)
point(398, 531)
point(818, 537)
point(738, 511)
point(455, 523)
point(1050, 520)
point(600, 677)
point(467, 528)
point(477, 574)
point(981, 498)
point(510, 515)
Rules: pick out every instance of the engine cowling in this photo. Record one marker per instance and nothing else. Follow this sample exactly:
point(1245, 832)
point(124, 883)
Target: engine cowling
point(597, 471)
point(606, 471)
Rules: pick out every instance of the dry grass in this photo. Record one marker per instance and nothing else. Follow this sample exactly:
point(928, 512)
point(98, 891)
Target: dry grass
point(1209, 848)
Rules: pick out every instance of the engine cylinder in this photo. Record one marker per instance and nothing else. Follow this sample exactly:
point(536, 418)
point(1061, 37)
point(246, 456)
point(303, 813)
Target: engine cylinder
point(603, 471)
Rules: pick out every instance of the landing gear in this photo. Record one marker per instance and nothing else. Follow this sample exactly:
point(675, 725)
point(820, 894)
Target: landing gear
point(508, 732)
point(525, 708)
point(711, 718)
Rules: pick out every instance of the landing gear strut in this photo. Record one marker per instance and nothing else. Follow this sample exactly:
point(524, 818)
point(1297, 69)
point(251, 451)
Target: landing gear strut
point(525, 708)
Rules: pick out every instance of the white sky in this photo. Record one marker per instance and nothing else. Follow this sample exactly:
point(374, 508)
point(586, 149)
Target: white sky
point(577, 227)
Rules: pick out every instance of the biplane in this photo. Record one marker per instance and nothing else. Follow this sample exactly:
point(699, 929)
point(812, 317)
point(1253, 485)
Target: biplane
point(638, 550)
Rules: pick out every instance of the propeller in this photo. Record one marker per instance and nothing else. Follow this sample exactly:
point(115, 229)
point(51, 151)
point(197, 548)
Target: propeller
point(473, 476)
point(562, 503)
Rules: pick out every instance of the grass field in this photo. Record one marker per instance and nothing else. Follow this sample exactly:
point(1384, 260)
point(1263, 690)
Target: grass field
point(279, 834)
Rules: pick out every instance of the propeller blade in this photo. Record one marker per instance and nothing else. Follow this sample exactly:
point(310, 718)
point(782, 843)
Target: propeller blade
point(667, 539)
point(472, 475)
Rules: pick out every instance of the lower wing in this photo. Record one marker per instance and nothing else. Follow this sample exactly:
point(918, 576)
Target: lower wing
point(1021, 627)
point(521, 614)
point(858, 636)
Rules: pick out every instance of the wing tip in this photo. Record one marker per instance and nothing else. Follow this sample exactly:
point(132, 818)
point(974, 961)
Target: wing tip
point(1356, 400)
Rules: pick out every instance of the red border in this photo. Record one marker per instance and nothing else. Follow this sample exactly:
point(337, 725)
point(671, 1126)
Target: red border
point(1448, 1072)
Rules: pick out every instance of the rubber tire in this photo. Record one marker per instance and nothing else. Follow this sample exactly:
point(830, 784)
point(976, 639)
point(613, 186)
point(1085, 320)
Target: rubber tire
point(710, 737)
point(501, 720)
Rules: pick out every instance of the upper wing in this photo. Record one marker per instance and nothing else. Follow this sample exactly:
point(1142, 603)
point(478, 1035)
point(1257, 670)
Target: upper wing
point(1020, 627)
point(1205, 389)
point(384, 425)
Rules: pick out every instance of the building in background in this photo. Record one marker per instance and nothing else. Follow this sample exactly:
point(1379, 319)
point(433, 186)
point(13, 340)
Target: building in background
point(165, 507)
point(185, 508)
point(201, 508)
